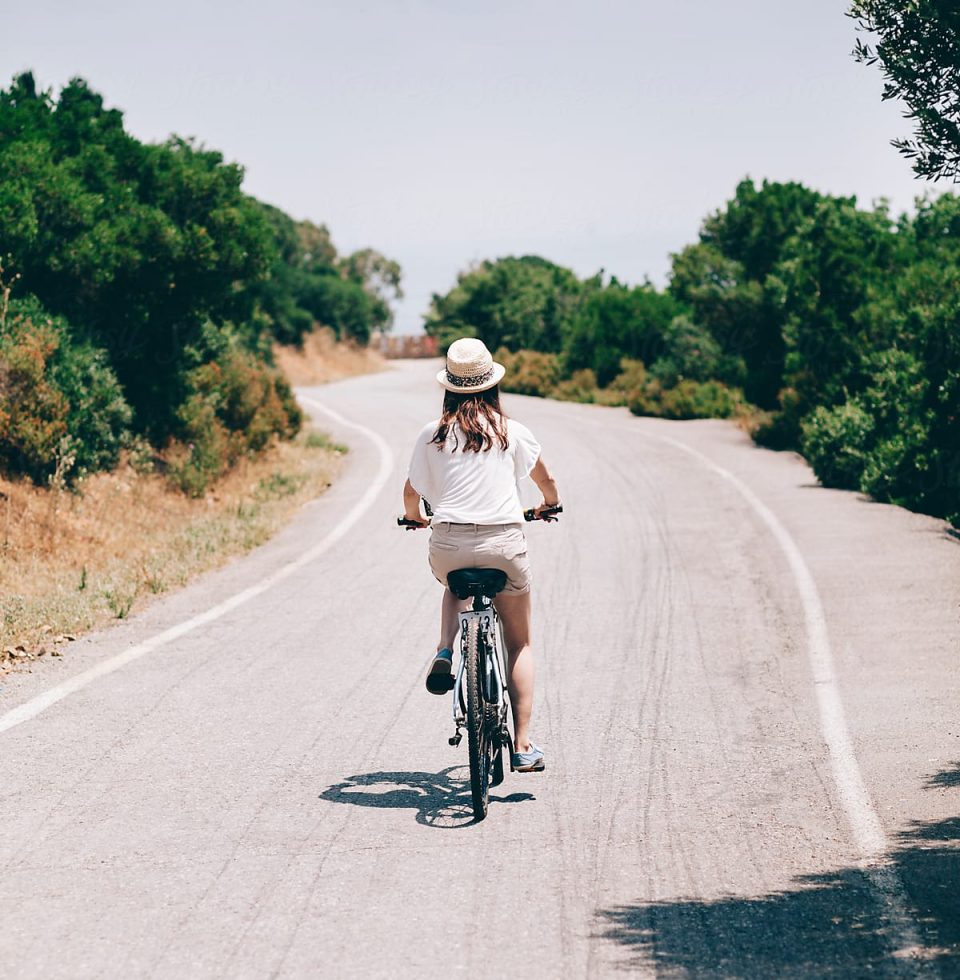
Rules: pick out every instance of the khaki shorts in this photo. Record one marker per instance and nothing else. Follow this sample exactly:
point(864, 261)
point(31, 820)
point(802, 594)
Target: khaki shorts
point(502, 546)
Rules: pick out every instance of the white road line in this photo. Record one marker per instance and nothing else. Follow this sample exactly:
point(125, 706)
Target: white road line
point(864, 823)
point(33, 707)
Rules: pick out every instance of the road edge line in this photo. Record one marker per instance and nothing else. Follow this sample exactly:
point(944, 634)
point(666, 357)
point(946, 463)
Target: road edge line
point(855, 799)
point(38, 704)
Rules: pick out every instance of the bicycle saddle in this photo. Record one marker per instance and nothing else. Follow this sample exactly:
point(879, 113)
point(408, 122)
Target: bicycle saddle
point(466, 582)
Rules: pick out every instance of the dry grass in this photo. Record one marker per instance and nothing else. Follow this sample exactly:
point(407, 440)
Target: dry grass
point(323, 358)
point(73, 560)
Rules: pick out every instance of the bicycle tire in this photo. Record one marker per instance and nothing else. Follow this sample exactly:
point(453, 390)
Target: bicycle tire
point(477, 728)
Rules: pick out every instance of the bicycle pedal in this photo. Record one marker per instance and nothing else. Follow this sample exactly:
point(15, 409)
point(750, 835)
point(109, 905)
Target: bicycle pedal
point(454, 740)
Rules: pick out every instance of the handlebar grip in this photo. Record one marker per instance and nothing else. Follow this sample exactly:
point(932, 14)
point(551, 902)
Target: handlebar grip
point(545, 514)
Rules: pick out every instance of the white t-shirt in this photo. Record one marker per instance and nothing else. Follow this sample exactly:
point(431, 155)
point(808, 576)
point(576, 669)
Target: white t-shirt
point(473, 488)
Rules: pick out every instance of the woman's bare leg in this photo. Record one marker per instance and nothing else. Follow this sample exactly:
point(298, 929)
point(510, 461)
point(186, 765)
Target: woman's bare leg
point(514, 611)
point(450, 619)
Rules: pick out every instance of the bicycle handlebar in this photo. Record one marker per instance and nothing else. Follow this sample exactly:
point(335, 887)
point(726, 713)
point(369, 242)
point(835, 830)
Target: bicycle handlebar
point(548, 514)
point(412, 525)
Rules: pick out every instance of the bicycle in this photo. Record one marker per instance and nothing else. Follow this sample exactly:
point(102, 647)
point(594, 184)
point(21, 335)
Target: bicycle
point(480, 699)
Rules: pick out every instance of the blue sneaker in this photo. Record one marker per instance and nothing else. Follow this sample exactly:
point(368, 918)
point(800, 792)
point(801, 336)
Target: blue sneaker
point(531, 761)
point(440, 675)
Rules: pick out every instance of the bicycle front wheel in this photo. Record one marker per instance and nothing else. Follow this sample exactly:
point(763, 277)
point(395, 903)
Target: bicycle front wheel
point(478, 733)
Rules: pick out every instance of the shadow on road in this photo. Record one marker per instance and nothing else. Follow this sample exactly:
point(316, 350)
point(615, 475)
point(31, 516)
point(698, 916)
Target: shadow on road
point(831, 924)
point(441, 799)
point(946, 778)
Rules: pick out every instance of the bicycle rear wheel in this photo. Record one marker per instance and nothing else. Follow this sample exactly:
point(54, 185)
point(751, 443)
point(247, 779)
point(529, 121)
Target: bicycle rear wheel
point(478, 731)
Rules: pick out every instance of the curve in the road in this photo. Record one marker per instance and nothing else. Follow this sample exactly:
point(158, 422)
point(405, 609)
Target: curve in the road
point(30, 709)
point(851, 789)
point(863, 819)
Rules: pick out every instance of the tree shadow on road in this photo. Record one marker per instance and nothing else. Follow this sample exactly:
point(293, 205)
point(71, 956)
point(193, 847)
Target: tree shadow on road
point(440, 799)
point(831, 924)
point(946, 778)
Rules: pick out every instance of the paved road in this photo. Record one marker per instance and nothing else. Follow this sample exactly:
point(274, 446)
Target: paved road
point(748, 695)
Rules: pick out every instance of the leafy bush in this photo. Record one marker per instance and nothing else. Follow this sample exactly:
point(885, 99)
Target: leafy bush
point(835, 442)
point(632, 379)
point(98, 416)
point(55, 392)
point(529, 372)
point(692, 352)
point(898, 402)
point(581, 386)
point(33, 410)
point(235, 406)
point(701, 400)
point(881, 440)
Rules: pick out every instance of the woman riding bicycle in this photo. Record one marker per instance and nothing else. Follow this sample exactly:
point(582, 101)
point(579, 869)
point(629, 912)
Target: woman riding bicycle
point(467, 464)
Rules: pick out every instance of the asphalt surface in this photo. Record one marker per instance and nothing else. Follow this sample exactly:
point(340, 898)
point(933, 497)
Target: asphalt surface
point(271, 793)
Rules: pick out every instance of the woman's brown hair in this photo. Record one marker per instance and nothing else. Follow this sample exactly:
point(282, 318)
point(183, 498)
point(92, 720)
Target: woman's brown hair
point(479, 417)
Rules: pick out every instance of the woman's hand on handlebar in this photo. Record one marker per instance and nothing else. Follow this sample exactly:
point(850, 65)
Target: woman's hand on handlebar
point(545, 512)
point(413, 522)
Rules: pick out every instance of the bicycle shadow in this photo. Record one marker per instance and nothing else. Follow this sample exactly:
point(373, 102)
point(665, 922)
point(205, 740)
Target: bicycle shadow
point(440, 799)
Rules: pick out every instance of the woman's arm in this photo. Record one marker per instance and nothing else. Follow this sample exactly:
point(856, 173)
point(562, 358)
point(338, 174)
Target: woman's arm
point(411, 504)
point(546, 484)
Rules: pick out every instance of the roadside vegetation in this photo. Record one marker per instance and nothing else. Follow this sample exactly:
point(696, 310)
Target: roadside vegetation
point(142, 292)
point(76, 560)
point(320, 357)
point(146, 430)
point(824, 326)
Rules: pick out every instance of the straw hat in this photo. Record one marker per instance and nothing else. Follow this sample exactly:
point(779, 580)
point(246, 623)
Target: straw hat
point(470, 367)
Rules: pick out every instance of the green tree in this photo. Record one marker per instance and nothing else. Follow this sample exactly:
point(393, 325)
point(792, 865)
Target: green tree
point(618, 321)
point(724, 278)
point(888, 420)
point(137, 245)
point(517, 303)
point(754, 225)
point(309, 283)
point(825, 278)
point(379, 277)
point(917, 45)
point(144, 276)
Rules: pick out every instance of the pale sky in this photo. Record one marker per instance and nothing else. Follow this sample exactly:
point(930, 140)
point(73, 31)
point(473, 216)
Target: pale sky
point(595, 134)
